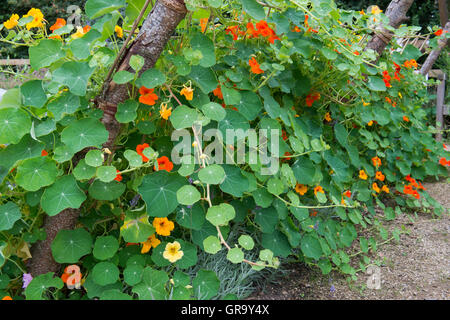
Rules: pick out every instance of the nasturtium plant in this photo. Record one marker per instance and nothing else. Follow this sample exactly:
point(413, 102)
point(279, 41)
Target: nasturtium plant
point(260, 131)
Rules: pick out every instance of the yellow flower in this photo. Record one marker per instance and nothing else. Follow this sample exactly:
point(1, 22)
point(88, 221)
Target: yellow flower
point(152, 241)
point(37, 18)
point(362, 175)
point(375, 187)
point(318, 189)
point(400, 95)
point(12, 22)
point(376, 10)
point(80, 32)
point(172, 252)
point(187, 92)
point(163, 226)
point(119, 31)
point(365, 104)
point(301, 189)
point(370, 123)
point(327, 117)
point(385, 188)
point(164, 112)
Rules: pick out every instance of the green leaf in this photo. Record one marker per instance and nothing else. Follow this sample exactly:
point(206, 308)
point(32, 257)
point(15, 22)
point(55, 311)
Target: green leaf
point(63, 194)
point(75, 75)
point(262, 197)
point(254, 9)
point(158, 190)
point(221, 214)
point(81, 47)
point(67, 103)
point(84, 133)
point(132, 275)
point(235, 182)
point(151, 78)
point(277, 243)
point(214, 111)
point(136, 227)
point(304, 171)
point(70, 245)
point(134, 159)
point(267, 219)
point(204, 78)
point(45, 53)
point(11, 99)
point(311, 247)
point(33, 94)
point(106, 173)
point(94, 158)
point(235, 255)
point(215, 3)
point(249, 105)
point(115, 294)
point(246, 242)
point(126, 112)
point(212, 174)
point(36, 173)
point(83, 171)
point(191, 218)
point(206, 284)
point(9, 214)
point(105, 273)
point(183, 117)
point(137, 62)
point(40, 284)
point(266, 255)
point(325, 266)
point(123, 77)
point(230, 96)
point(106, 191)
point(189, 258)
point(152, 286)
point(376, 84)
point(187, 166)
point(212, 244)
point(275, 186)
point(188, 195)
point(14, 124)
point(105, 247)
point(2, 255)
point(202, 43)
point(62, 154)
point(98, 8)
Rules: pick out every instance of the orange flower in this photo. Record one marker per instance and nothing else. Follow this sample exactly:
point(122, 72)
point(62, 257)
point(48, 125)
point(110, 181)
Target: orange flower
point(318, 189)
point(327, 117)
point(376, 188)
point(348, 193)
point(44, 153)
point(444, 162)
point(218, 92)
point(362, 175)
point(152, 241)
point(286, 154)
point(370, 123)
point(203, 24)
point(164, 112)
point(163, 226)
point(376, 162)
point(140, 149)
point(439, 32)
point(301, 189)
point(410, 63)
point(6, 298)
point(284, 135)
point(233, 30)
point(311, 98)
point(297, 29)
point(356, 53)
point(387, 79)
point(251, 31)
point(164, 164)
point(147, 97)
point(254, 65)
point(313, 214)
point(385, 189)
point(118, 177)
point(188, 92)
point(379, 176)
point(405, 118)
point(58, 24)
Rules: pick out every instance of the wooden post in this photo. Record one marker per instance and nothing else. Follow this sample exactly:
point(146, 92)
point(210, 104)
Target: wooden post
point(440, 107)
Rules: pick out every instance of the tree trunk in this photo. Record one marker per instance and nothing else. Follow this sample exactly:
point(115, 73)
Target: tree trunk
point(155, 32)
point(432, 57)
point(396, 12)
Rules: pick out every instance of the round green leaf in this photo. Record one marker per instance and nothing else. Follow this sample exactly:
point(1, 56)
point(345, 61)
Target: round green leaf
point(62, 154)
point(187, 166)
point(123, 77)
point(212, 244)
point(132, 275)
point(214, 111)
point(82, 171)
point(235, 255)
point(152, 286)
point(14, 124)
point(206, 284)
point(63, 194)
point(106, 191)
point(188, 195)
point(98, 8)
point(84, 133)
point(75, 75)
point(246, 242)
point(311, 247)
point(189, 258)
point(191, 218)
point(235, 182)
point(105, 273)
point(151, 78)
point(134, 159)
point(36, 173)
point(212, 174)
point(105, 247)
point(45, 53)
point(115, 294)
point(183, 117)
point(126, 112)
point(9, 214)
point(70, 245)
point(136, 227)
point(33, 94)
point(107, 173)
point(40, 284)
point(221, 214)
point(94, 158)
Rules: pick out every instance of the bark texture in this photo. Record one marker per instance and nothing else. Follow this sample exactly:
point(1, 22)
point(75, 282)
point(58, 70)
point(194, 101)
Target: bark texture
point(432, 57)
point(396, 11)
point(155, 32)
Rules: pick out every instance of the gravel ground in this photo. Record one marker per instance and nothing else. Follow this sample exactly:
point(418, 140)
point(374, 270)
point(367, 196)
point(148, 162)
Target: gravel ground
point(418, 267)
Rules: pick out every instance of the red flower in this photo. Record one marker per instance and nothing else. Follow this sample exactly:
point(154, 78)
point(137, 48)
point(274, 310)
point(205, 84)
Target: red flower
point(44, 153)
point(140, 149)
point(439, 32)
point(311, 98)
point(164, 164)
point(254, 65)
point(218, 92)
point(348, 193)
point(118, 177)
point(233, 30)
point(444, 162)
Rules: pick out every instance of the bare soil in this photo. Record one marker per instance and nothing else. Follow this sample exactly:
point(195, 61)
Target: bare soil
point(418, 267)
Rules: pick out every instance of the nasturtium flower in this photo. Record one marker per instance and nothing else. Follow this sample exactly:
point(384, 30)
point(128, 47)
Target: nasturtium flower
point(301, 189)
point(370, 123)
point(118, 177)
point(164, 164)
point(81, 32)
point(362, 175)
point(38, 17)
point(348, 193)
point(152, 241)
point(328, 117)
point(140, 151)
point(439, 32)
point(44, 153)
point(119, 31)
point(311, 98)
point(318, 189)
point(410, 64)
point(365, 104)
point(6, 298)
point(376, 10)
point(164, 112)
point(254, 65)
point(379, 175)
point(188, 93)
point(444, 162)
point(172, 252)
point(12, 21)
point(385, 189)
point(233, 30)
point(58, 24)
point(218, 92)
point(203, 24)
point(375, 187)
point(147, 97)
point(376, 162)
point(405, 118)
point(163, 226)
